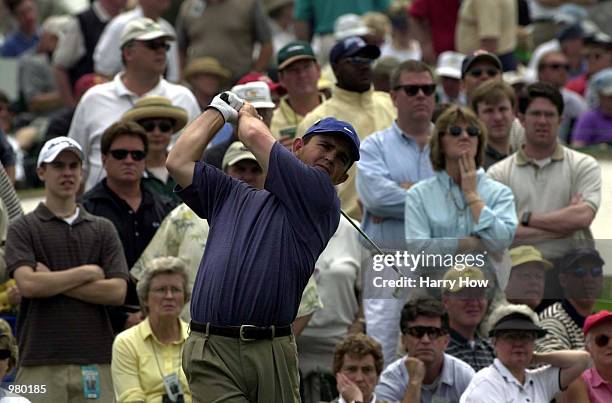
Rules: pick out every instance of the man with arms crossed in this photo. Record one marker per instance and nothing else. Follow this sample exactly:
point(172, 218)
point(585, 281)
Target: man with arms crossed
point(261, 249)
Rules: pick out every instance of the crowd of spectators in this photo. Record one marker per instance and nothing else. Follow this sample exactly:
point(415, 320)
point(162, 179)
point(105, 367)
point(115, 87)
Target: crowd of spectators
point(480, 122)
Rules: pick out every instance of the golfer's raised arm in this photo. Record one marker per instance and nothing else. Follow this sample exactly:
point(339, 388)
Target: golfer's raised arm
point(255, 135)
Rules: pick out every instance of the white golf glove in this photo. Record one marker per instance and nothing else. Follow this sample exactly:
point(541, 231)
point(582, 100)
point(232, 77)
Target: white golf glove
point(228, 104)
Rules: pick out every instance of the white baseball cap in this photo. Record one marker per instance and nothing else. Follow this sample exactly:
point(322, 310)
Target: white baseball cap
point(449, 64)
point(52, 148)
point(257, 93)
point(143, 29)
point(349, 25)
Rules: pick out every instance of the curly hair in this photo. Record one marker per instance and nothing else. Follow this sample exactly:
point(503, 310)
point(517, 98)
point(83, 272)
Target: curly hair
point(358, 345)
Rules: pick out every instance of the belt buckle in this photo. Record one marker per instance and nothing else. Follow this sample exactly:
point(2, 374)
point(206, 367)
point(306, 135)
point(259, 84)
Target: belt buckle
point(242, 337)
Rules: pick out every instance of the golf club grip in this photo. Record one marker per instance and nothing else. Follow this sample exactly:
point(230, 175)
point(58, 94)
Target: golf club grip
point(225, 97)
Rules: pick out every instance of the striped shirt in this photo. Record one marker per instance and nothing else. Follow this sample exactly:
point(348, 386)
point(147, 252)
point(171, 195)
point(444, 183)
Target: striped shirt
point(478, 354)
point(9, 197)
point(564, 327)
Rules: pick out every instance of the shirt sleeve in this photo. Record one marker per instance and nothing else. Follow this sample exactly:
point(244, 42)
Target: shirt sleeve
point(497, 222)
point(304, 10)
point(489, 18)
point(582, 129)
point(482, 391)
point(556, 339)
point(392, 384)
point(588, 181)
point(550, 379)
point(70, 46)
point(7, 154)
point(107, 55)
point(261, 25)
point(78, 132)
point(113, 258)
point(163, 243)
point(125, 372)
point(380, 195)
point(311, 301)
point(19, 251)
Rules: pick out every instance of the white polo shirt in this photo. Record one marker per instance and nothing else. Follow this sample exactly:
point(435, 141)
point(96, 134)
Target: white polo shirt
point(103, 105)
point(497, 384)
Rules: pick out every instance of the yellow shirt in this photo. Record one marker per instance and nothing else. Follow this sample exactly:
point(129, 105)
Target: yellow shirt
point(368, 112)
point(135, 371)
point(285, 120)
point(487, 19)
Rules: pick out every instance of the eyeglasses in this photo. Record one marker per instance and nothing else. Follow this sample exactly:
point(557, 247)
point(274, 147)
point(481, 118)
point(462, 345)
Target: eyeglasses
point(163, 125)
point(155, 45)
point(161, 291)
point(355, 60)
point(517, 336)
point(420, 331)
point(412, 90)
point(456, 131)
point(581, 272)
point(555, 66)
point(121, 154)
point(478, 72)
point(602, 340)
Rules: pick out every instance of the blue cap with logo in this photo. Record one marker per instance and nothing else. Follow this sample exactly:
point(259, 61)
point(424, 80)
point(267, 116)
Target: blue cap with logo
point(335, 126)
point(350, 47)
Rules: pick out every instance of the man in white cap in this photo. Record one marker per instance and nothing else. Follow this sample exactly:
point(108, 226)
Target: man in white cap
point(449, 71)
point(143, 48)
point(107, 56)
point(68, 265)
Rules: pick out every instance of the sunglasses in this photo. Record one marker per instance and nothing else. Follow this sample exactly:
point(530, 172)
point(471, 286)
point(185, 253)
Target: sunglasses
point(412, 90)
point(517, 336)
point(155, 45)
point(121, 154)
point(555, 66)
point(478, 72)
point(4, 354)
point(358, 60)
point(420, 331)
point(163, 125)
point(602, 340)
point(581, 272)
point(456, 131)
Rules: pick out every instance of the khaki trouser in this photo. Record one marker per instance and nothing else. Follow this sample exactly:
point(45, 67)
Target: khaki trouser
point(62, 383)
point(224, 369)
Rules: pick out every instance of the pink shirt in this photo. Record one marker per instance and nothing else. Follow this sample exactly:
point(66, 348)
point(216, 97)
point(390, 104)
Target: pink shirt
point(599, 390)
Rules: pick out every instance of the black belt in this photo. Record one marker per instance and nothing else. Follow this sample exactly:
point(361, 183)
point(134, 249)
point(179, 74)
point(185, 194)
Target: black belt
point(244, 332)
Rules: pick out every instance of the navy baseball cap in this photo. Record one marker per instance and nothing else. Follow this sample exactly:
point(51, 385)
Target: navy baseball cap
point(350, 47)
point(335, 126)
point(477, 56)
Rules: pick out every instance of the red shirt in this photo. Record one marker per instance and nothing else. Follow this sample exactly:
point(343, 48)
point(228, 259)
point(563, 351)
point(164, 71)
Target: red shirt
point(442, 18)
point(578, 84)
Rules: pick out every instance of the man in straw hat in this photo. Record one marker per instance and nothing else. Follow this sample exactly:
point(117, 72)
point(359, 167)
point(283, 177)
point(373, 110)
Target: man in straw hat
point(527, 276)
point(161, 120)
point(143, 47)
point(69, 266)
point(261, 249)
point(514, 329)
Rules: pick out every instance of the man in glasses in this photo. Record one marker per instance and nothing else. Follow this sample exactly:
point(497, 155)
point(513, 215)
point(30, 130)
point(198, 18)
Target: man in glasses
point(354, 100)
point(123, 198)
point(477, 68)
point(392, 161)
point(581, 280)
point(143, 45)
point(553, 68)
point(69, 266)
point(598, 379)
point(426, 373)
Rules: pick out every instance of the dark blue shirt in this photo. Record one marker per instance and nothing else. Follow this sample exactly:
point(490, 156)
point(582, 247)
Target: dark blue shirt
point(262, 244)
point(16, 43)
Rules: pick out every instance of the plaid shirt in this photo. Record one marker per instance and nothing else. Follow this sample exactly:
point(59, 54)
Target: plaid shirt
point(479, 356)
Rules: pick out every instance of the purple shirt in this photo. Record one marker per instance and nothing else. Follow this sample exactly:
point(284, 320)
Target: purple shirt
point(593, 127)
point(599, 390)
point(262, 244)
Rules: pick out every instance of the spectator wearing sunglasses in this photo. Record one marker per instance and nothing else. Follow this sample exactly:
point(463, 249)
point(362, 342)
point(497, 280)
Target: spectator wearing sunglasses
point(122, 197)
point(392, 161)
point(354, 100)
point(161, 120)
point(553, 68)
point(143, 46)
point(514, 330)
point(598, 379)
point(581, 280)
point(426, 373)
point(460, 209)
point(553, 210)
point(598, 54)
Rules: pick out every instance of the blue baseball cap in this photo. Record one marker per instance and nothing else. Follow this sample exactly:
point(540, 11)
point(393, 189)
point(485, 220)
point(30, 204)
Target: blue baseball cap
point(350, 47)
point(335, 126)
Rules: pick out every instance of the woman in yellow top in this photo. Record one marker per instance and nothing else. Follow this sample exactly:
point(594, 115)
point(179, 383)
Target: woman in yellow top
point(146, 364)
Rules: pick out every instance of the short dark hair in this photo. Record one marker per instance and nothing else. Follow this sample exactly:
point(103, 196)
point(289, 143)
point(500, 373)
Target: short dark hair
point(423, 306)
point(358, 345)
point(410, 66)
point(121, 128)
point(12, 5)
point(540, 90)
point(492, 92)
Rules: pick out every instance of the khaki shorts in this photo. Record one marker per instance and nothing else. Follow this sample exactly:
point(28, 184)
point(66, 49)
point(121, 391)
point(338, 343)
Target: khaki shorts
point(62, 383)
point(224, 369)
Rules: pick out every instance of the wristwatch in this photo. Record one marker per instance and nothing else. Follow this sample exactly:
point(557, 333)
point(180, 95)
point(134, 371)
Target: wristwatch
point(525, 218)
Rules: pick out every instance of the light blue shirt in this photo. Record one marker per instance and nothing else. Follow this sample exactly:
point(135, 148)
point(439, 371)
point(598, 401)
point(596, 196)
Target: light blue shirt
point(436, 209)
point(388, 158)
point(448, 387)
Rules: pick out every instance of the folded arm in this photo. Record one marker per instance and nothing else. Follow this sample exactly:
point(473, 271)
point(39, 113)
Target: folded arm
point(43, 284)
